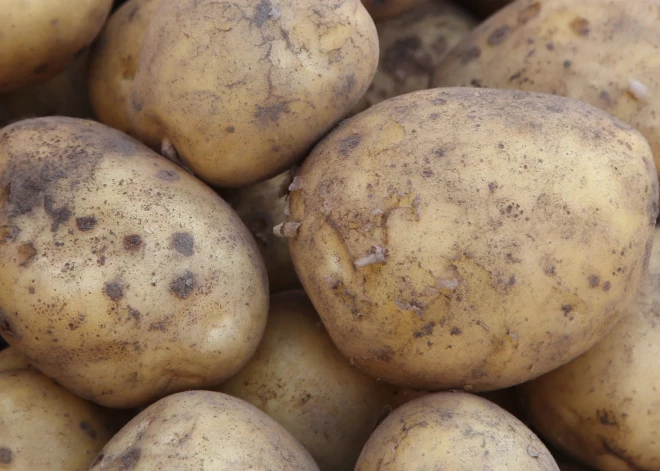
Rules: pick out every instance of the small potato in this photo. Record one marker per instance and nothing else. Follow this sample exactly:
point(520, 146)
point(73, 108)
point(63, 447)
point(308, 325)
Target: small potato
point(463, 238)
point(41, 38)
point(240, 91)
point(124, 278)
point(603, 408)
point(604, 53)
point(114, 60)
point(12, 359)
point(453, 431)
point(386, 9)
point(203, 430)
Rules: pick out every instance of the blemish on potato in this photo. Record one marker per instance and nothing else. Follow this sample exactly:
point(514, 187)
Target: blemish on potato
point(58, 216)
point(128, 460)
point(606, 417)
point(183, 243)
point(86, 223)
point(606, 286)
point(168, 175)
point(262, 13)
point(271, 112)
point(529, 13)
point(87, 428)
point(231, 129)
point(470, 54)
point(132, 242)
point(425, 331)
point(6, 455)
point(348, 144)
point(183, 285)
point(580, 26)
point(499, 35)
point(26, 253)
point(135, 314)
point(8, 233)
point(31, 290)
point(114, 290)
point(594, 281)
point(455, 331)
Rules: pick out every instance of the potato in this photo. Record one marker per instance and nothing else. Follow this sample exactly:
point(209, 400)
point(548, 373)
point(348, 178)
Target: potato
point(12, 359)
point(603, 407)
point(386, 9)
point(604, 53)
point(241, 91)
point(261, 207)
point(299, 378)
point(203, 430)
point(124, 278)
point(114, 61)
point(463, 238)
point(45, 37)
point(45, 427)
point(453, 431)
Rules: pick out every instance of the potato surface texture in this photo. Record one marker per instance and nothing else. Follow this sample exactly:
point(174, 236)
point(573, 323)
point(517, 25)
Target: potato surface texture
point(603, 408)
point(124, 277)
point(453, 431)
point(602, 52)
point(203, 430)
point(463, 238)
point(242, 90)
point(40, 38)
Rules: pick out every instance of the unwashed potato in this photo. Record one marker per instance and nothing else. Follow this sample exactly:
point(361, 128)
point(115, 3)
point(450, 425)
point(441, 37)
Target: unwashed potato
point(40, 38)
point(261, 207)
point(453, 431)
point(604, 407)
point(114, 61)
point(463, 238)
point(299, 378)
point(12, 359)
point(124, 278)
point(386, 9)
point(602, 52)
point(240, 91)
point(203, 430)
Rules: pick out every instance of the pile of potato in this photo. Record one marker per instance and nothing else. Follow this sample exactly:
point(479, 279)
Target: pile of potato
point(377, 235)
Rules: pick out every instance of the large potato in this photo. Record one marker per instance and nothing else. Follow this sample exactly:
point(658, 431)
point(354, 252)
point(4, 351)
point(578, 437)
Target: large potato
point(604, 53)
point(203, 430)
point(240, 91)
point(40, 38)
point(124, 278)
point(604, 407)
point(463, 238)
point(386, 9)
point(453, 431)
point(114, 61)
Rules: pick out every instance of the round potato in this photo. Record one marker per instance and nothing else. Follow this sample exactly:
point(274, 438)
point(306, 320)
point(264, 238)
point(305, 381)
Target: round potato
point(12, 359)
point(41, 38)
point(124, 277)
point(203, 430)
point(386, 9)
point(114, 61)
point(463, 238)
point(603, 407)
point(239, 92)
point(454, 431)
point(299, 378)
point(604, 53)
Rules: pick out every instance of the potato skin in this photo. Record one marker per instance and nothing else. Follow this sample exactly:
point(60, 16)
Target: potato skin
point(124, 278)
point(251, 86)
point(499, 238)
point(586, 50)
point(203, 430)
point(381, 10)
point(114, 60)
point(454, 431)
point(602, 408)
point(45, 37)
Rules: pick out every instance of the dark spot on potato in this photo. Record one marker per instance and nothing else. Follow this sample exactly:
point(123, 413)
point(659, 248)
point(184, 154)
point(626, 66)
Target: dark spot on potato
point(512, 280)
point(271, 112)
point(385, 354)
point(136, 103)
point(261, 13)
point(31, 290)
point(499, 35)
point(58, 216)
point(470, 54)
point(132, 242)
point(348, 144)
point(605, 96)
point(128, 460)
point(606, 286)
point(567, 308)
point(455, 331)
point(594, 281)
point(183, 285)
point(40, 69)
point(305, 399)
point(135, 314)
point(580, 26)
point(168, 175)
point(86, 223)
point(87, 428)
point(568, 63)
point(6, 455)
point(400, 59)
point(26, 253)
point(231, 129)
point(530, 12)
point(183, 243)
point(114, 290)
point(492, 186)
point(606, 418)
point(425, 331)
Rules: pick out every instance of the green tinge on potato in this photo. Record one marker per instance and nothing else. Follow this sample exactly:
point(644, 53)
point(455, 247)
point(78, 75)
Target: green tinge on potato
point(476, 239)
point(124, 277)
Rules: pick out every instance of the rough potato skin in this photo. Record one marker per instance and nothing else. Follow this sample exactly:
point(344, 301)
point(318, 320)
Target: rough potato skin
point(603, 407)
point(203, 430)
point(453, 431)
point(513, 227)
point(587, 50)
point(381, 10)
point(41, 38)
point(124, 278)
point(114, 60)
point(250, 86)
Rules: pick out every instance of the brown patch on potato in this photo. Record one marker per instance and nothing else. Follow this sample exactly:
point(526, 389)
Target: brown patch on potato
point(606, 417)
point(530, 12)
point(58, 216)
point(425, 331)
point(594, 281)
point(183, 243)
point(455, 331)
point(129, 460)
point(26, 253)
point(470, 54)
point(135, 314)
point(231, 129)
point(114, 290)
point(606, 286)
point(87, 428)
point(86, 223)
point(499, 35)
point(183, 285)
point(580, 26)
point(271, 112)
point(132, 242)
point(168, 175)
point(348, 144)
point(6, 455)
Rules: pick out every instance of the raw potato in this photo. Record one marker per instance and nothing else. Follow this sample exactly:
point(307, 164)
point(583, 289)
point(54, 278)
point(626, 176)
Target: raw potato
point(114, 61)
point(261, 207)
point(299, 378)
point(124, 278)
point(241, 91)
point(203, 430)
point(453, 431)
point(386, 9)
point(603, 407)
point(462, 238)
point(604, 53)
point(45, 37)
point(12, 359)
point(45, 427)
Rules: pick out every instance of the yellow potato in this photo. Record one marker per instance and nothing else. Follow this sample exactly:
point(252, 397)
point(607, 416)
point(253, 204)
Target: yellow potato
point(386, 9)
point(463, 238)
point(40, 38)
point(604, 53)
point(603, 408)
point(453, 431)
point(124, 277)
point(240, 91)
